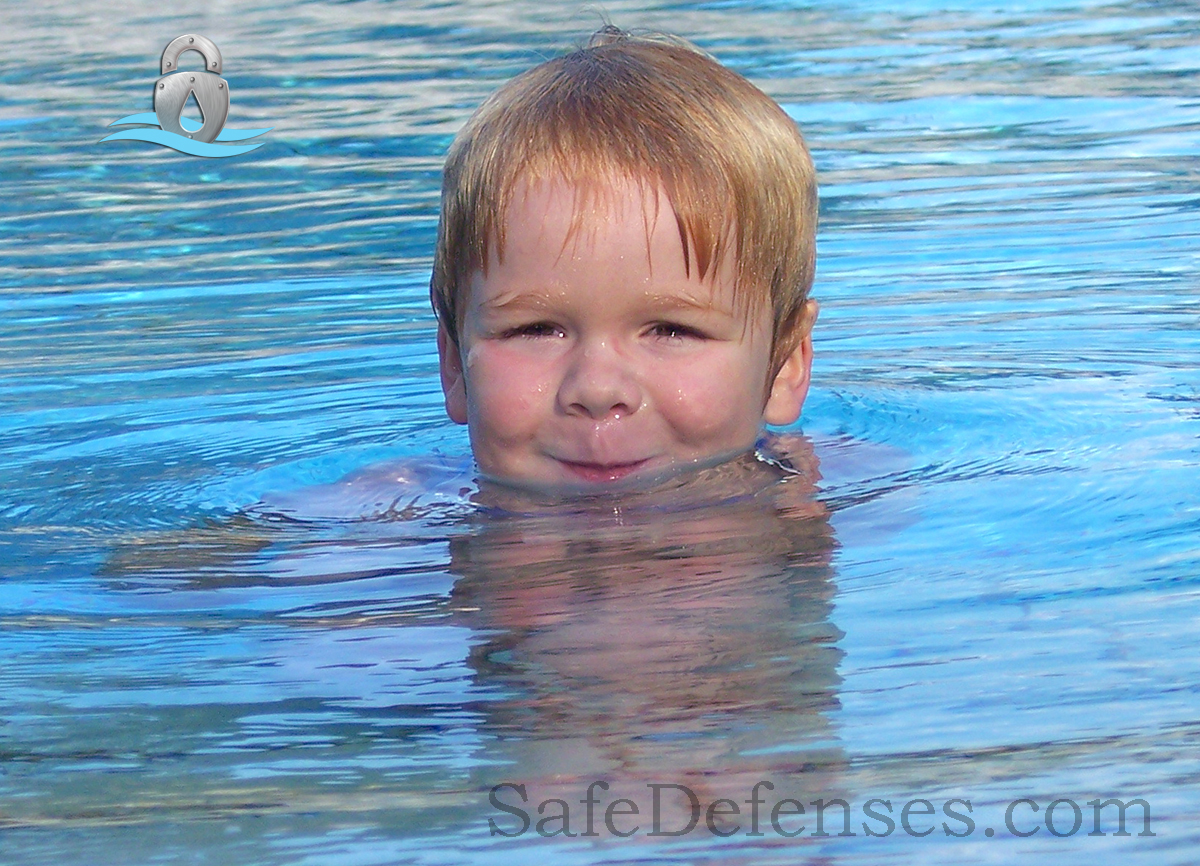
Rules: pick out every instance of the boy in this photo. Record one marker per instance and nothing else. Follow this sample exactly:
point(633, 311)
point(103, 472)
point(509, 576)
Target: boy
point(623, 262)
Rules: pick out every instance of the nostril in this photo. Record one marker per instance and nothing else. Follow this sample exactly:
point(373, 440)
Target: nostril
point(615, 400)
point(601, 410)
point(598, 385)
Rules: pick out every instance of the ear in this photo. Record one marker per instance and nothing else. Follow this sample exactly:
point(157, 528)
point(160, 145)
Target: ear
point(454, 386)
point(790, 385)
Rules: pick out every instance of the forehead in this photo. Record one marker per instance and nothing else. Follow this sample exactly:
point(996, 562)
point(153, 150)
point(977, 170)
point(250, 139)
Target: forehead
point(554, 215)
point(606, 252)
point(618, 233)
point(611, 219)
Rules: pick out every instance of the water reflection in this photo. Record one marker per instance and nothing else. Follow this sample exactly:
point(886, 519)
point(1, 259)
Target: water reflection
point(679, 636)
point(643, 644)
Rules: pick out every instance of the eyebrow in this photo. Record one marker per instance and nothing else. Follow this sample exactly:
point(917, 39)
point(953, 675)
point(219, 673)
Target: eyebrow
point(543, 301)
point(519, 300)
point(676, 302)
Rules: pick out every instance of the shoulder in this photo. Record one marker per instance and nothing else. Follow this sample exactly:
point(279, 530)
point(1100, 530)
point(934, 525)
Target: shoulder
point(407, 488)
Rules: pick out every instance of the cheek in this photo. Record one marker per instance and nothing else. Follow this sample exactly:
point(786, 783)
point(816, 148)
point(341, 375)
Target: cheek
point(505, 390)
point(717, 399)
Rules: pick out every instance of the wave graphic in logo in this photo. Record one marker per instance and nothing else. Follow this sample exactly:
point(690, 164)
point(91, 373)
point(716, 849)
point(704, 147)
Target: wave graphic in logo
point(192, 147)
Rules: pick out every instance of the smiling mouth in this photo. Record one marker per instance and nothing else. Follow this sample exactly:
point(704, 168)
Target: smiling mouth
point(602, 472)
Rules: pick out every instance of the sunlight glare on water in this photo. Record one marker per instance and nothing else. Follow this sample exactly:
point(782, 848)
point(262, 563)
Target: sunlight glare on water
point(216, 652)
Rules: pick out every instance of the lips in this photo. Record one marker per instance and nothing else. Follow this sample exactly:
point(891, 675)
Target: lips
point(599, 473)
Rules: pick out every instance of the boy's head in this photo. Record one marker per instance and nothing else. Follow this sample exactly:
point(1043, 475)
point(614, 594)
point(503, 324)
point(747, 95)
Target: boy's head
point(624, 257)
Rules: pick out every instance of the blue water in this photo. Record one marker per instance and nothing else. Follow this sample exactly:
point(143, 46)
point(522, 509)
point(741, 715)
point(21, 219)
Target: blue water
point(1003, 602)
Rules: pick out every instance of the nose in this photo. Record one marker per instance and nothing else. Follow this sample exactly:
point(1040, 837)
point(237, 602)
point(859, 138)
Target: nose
point(598, 384)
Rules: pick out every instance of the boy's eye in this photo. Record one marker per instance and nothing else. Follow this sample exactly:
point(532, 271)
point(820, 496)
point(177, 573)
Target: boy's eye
point(675, 331)
point(535, 329)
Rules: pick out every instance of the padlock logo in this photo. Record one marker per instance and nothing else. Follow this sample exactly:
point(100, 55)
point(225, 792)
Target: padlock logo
point(171, 94)
point(209, 89)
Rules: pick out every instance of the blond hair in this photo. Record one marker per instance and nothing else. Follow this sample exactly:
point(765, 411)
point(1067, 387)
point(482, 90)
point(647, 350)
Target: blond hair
point(657, 111)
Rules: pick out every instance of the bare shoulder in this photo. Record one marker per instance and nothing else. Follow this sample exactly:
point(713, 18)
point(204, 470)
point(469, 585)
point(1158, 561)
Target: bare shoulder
point(406, 488)
point(796, 495)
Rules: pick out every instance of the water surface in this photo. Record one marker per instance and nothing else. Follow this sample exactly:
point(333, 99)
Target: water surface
point(995, 599)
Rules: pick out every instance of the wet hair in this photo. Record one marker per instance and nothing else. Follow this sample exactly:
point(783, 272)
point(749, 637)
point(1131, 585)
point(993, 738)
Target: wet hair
point(663, 114)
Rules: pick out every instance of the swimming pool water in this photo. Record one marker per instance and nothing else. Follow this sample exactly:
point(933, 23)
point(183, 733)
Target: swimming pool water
point(1002, 604)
